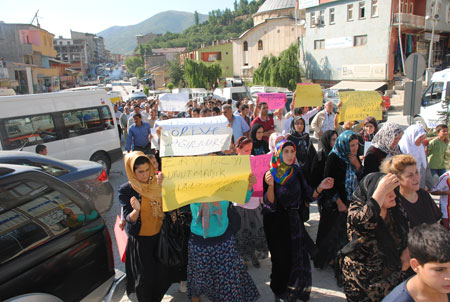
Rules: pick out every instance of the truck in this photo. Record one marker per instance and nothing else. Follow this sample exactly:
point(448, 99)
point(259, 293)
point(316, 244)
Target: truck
point(134, 81)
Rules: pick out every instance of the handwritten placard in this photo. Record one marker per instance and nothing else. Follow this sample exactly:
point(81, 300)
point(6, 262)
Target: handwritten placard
point(366, 147)
point(173, 101)
point(308, 95)
point(204, 179)
point(273, 100)
point(260, 164)
point(154, 141)
point(357, 105)
point(194, 136)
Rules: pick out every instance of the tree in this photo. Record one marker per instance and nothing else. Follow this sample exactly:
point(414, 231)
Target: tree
point(140, 71)
point(236, 6)
point(282, 71)
point(200, 75)
point(176, 73)
point(170, 87)
point(133, 63)
point(196, 18)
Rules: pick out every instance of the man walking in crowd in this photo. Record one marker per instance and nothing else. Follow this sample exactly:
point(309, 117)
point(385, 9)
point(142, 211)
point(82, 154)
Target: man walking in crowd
point(265, 120)
point(136, 110)
point(124, 122)
point(324, 120)
point(239, 125)
point(139, 135)
point(117, 114)
point(153, 117)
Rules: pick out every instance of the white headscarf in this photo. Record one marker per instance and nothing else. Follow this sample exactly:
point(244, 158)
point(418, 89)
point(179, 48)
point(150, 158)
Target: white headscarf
point(272, 141)
point(408, 145)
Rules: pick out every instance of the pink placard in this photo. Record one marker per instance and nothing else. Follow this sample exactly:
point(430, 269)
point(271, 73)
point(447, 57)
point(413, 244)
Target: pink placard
point(260, 164)
point(273, 100)
point(121, 239)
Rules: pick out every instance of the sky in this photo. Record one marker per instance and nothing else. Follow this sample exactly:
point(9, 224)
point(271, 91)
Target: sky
point(93, 16)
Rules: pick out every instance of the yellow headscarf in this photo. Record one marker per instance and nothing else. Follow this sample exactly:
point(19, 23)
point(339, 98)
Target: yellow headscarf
point(151, 195)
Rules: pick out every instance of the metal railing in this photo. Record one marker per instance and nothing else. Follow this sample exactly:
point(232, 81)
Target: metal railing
point(409, 20)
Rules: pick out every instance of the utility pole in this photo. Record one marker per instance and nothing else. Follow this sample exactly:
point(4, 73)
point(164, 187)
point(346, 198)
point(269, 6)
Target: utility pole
point(434, 17)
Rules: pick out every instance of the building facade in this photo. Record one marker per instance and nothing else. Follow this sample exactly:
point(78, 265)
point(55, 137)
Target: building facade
point(274, 31)
point(73, 52)
point(142, 39)
point(359, 39)
point(25, 52)
point(220, 52)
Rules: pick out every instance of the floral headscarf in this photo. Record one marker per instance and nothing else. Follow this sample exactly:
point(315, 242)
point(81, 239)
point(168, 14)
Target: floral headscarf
point(281, 171)
point(385, 137)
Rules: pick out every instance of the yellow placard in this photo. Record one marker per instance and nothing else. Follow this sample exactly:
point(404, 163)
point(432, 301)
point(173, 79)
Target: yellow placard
point(357, 105)
point(204, 179)
point(308, 95)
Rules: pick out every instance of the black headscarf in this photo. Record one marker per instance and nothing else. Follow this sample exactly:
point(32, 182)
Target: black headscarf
point(258, 144)
point(325, 141)
point(390, 252)
point(301, 141)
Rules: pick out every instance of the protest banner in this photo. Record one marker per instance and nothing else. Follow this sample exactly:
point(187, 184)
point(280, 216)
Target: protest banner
point(121, 239)
point(308, 95)
point(366, 147)
point(273, 100)
point(260, 164)
point(173, 101)
point(194, 136)
point(204, 179)
point(357, 105)
point(154, 141)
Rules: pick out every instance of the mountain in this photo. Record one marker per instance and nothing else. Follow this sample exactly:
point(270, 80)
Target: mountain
point(122, 39)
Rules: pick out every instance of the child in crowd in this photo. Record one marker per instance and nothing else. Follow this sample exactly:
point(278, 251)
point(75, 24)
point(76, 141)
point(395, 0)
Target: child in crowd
point(442, 188)
point(436, 151)
point(429, 247)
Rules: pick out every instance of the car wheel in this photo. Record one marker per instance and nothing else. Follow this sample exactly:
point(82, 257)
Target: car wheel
point(102, 159)
point(420, 121)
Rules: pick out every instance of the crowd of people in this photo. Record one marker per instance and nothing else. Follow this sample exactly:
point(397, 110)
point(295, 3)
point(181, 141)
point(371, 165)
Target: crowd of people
point(380, 230)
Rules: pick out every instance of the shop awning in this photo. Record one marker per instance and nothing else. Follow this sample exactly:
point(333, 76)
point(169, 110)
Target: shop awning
point(364, 86)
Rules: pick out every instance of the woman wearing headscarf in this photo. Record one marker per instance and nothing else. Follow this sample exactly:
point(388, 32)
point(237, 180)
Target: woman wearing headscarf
point(260, 146)
point(370, 129)
point(344, 167)
point(140, 199)
point(215, 268)
point(274, 138)
point(250, 239)
point(305, 149)
point(285, 195)
point(376, 258)
point(327, 141)
point(412, 143)
point(384, 144)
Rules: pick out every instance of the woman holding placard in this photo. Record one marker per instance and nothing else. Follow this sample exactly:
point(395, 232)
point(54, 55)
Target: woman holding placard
point(215, 268)
point(140, 199)
point(250, 239)
point(305, 150)
point(285, 196)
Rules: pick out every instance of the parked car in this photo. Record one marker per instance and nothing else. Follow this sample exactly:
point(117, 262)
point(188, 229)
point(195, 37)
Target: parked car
point(87, 177)
point(53, 241)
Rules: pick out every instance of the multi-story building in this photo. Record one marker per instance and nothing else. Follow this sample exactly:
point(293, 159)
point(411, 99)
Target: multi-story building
point(274, 30)
point(220, 52)
point(26, 51)
point(142, 39)
point(367, 39)
point(171, 54)
point(73, 52)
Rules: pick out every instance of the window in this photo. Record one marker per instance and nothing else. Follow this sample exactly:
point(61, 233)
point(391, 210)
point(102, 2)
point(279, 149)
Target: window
point(349, 12)
point(319, 44)
point(107, 117)
point(32, 215)
point(322, 17)
point(80, 122)
point(29, 131)
point(433, 94)
point(331, 15)
point(260, 45)
point(28, 59)
point(411, 8)
point(245, 46)
point(362, 9)
point(374, 12)
point(360, 40)
point(313, 19)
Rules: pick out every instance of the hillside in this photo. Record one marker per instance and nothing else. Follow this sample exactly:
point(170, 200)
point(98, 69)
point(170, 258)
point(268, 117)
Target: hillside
point(122, 39)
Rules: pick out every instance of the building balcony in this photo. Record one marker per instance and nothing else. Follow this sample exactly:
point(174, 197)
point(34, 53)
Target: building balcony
point(409, 21)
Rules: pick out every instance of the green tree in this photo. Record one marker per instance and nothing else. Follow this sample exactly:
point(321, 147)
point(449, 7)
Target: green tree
point(196, 18)
point(200, 75)
point(170, 87)
point(282, 71)
point(133, 63)
point(176, 73)
point(140, 71)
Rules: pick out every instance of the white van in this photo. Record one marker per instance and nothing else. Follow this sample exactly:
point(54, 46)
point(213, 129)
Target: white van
point(432, 100)
point(73, 125)
point(234, 93)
